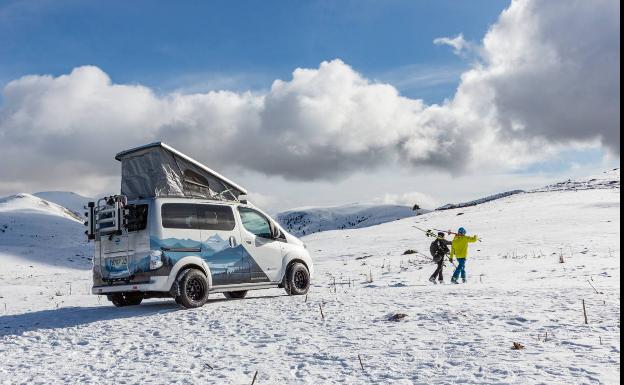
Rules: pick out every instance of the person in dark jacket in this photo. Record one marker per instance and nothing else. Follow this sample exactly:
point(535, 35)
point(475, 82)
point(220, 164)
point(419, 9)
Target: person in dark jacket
point(439, 249)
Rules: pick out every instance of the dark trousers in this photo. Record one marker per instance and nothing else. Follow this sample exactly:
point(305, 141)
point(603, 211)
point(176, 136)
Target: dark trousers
point(438, 272)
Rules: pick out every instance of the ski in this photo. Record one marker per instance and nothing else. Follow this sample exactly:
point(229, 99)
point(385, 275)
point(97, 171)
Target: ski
point(453, 233)
point(428, 232)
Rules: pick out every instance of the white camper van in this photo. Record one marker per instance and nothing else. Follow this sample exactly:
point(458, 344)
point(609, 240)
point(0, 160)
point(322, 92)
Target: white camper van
point(179, 229)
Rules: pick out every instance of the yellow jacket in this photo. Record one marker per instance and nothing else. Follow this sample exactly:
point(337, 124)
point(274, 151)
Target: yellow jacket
point(459, 248)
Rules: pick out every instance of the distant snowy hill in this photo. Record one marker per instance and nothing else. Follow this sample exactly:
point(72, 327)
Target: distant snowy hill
point(40, 231)
point(308, 220)
point(67, 199)
point(480, 201)
point(607, 180)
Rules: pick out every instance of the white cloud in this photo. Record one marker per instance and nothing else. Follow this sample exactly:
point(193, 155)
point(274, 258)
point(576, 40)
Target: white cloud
point(410, 199)
point(547, 78)
point(416, 77)
point(458, 43)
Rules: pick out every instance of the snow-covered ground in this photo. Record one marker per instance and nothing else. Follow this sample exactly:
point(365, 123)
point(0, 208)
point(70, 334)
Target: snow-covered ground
point(518, 291)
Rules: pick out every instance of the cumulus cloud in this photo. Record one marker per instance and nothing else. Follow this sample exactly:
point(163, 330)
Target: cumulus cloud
point(321, 124)
point(547, 77)
point(553, 71)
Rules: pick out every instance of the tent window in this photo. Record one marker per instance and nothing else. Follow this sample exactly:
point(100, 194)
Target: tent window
point(195, 184)
point(192, 177)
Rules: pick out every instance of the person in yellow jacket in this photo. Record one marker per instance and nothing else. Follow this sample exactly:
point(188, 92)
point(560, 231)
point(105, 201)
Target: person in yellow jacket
point(459, 249)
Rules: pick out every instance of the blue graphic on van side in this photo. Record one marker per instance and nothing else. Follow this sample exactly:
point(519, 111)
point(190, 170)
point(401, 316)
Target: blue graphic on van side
point(228, 265)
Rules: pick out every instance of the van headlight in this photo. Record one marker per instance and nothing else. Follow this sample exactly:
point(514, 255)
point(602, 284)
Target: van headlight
point(155, 259)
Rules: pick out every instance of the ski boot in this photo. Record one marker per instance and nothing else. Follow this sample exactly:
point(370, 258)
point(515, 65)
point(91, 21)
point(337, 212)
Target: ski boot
point(454, 281)
point(433, 280)
point(464, 280)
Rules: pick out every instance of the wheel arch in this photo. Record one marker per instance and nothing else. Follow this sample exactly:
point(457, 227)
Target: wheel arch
point(290, 259)
point(189, 262)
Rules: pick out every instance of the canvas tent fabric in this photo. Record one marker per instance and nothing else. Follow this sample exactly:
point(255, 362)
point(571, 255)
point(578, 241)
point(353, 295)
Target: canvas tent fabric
point(158, 170)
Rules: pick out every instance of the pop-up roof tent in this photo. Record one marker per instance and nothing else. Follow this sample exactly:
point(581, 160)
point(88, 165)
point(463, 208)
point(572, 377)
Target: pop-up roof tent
point(158, 170)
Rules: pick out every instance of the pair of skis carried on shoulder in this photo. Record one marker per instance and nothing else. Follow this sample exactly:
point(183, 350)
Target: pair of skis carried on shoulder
point(433, 232)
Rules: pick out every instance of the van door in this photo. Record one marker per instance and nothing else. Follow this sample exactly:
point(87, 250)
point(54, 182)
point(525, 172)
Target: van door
point(260, 245)
point(221, 246)
point(179, 235)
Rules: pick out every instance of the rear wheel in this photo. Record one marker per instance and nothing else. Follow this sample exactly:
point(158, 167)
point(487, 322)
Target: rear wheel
point(235, 294)
point(125, 299)
point(193, 289)
point(297, 280)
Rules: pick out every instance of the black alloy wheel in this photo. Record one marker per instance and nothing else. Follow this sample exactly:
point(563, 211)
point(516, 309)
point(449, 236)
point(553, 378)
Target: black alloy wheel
point(297, 279)
point(300, 280)
point(193, 288)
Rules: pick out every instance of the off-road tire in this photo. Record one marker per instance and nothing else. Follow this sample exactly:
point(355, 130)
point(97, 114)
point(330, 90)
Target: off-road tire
point(297, 279)
point(235, 294)
point(125, 299)
point(193, 289)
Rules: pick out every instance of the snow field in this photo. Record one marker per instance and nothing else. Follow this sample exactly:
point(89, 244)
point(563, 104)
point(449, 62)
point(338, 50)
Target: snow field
point(517, 292)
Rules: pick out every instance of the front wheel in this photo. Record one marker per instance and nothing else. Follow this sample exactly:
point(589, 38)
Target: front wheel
point(193, 289)
point(297, 280)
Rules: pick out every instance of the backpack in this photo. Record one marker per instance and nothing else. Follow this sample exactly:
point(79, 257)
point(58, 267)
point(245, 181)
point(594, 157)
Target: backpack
point(437, 250)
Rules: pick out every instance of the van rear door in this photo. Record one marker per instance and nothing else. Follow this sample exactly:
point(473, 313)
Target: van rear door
point(121, 252)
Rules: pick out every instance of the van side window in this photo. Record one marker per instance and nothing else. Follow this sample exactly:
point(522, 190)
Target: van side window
point(214, 217)
point(179, 216)
point(255, 223)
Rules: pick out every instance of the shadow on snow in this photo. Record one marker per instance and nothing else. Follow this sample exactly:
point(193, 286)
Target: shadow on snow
point(17, 324)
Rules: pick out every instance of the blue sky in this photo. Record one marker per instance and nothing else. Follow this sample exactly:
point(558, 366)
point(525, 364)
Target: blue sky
point(543, 128)
point(241, 45)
